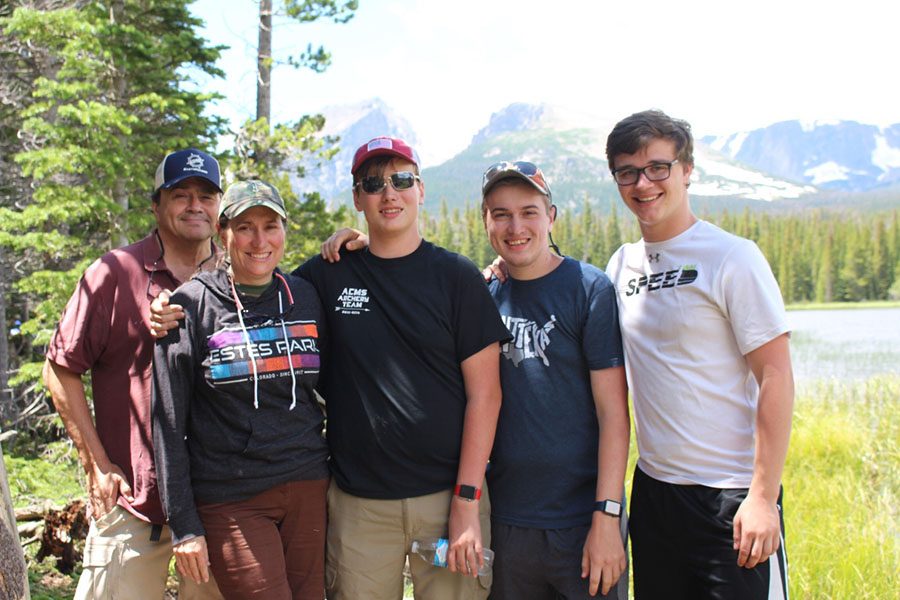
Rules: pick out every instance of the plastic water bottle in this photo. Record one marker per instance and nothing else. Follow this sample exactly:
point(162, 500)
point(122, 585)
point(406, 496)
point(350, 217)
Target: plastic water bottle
point(434, 552)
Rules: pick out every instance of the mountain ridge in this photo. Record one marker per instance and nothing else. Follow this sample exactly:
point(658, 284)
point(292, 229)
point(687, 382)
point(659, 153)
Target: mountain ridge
point(788, 162)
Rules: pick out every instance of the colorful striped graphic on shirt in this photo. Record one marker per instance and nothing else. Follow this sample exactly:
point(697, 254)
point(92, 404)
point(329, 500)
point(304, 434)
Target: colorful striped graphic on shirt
point(230, 360)
point(228, 337)
point(264, 365)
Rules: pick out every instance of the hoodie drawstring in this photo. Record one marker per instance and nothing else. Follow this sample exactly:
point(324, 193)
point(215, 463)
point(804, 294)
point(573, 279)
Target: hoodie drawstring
point(250, 351)
point(249, 346)
point(287, 344)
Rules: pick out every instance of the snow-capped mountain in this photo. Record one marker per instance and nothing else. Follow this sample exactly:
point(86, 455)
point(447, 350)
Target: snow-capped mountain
point(836, 155)
point(790, 161)
point(571, 149)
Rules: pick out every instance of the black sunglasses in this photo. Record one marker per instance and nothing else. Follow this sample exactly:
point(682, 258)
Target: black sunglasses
point(400, 181)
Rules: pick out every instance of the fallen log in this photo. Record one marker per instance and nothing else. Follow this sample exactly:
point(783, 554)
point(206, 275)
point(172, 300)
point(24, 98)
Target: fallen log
point(35, 513)
point(29, 528)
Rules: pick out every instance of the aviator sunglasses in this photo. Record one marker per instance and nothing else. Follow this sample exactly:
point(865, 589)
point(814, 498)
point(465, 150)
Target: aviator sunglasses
point(504, 169)
point(400, 181)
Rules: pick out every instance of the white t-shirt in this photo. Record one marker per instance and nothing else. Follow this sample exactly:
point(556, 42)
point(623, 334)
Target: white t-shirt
point(690, 308)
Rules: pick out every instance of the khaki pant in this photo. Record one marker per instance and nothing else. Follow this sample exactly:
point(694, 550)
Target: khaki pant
point(369, 540)
point(121, 563)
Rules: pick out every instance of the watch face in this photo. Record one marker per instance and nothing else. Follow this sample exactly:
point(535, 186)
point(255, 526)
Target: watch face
point(609, 507)
point(467, 491)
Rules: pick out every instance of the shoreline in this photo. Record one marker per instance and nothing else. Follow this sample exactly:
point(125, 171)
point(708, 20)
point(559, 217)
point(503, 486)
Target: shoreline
point(844, 305)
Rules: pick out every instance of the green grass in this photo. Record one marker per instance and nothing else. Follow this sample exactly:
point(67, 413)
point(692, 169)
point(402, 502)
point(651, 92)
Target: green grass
point(844, 305)
point(841, 501)
point(51, 476)
point(54, 475)
point(842, 491)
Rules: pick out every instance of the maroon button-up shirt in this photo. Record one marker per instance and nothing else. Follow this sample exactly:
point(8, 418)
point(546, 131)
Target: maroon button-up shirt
point(105, 329)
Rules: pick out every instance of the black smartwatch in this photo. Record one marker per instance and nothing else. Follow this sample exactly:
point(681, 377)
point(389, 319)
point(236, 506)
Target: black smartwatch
point(609, 507)
point(468, 493)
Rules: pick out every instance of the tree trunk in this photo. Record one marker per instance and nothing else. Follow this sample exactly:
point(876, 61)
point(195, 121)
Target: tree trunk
point(7, 408)
point(264, 62)
point(13, 577)
point(119, 234)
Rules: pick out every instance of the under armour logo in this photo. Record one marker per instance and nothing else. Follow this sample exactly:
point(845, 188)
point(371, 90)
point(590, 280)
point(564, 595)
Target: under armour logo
point(653, 257)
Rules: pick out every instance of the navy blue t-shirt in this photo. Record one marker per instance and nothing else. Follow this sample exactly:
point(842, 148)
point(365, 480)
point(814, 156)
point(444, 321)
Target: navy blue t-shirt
point(543, 470)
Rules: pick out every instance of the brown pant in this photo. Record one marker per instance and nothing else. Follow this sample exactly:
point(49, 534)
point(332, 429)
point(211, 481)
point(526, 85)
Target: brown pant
point(271, 545)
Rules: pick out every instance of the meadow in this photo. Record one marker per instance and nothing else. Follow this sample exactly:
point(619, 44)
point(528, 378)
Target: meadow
point(841, 501)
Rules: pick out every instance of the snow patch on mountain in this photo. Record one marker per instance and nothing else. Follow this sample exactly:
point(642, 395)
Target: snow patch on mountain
point(729, 145)
point(885, 156)
point(809, 126)
point(715, 177)
point(827, 172)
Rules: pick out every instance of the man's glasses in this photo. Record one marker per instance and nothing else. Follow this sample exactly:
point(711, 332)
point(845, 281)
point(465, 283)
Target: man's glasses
point(504, 169)
point(658, 171)
point(400, 181)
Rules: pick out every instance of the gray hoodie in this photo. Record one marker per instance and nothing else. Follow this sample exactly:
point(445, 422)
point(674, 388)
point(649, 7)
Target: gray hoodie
point(233, 408)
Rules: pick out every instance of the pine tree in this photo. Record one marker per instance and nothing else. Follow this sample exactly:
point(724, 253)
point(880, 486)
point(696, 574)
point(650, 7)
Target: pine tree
point(825, 274)
point(613, 233)
point(110, 100)
point(264, 152)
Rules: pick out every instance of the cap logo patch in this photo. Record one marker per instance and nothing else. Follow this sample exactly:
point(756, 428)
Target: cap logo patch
point(194, 162)
point(379, 143)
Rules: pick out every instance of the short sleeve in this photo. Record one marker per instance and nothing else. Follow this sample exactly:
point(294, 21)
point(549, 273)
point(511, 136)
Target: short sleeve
point(752, 299)
point(477, 323)
point(602, 340)
point(82, 334)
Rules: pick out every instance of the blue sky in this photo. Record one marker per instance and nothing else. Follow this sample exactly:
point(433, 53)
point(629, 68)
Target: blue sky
point(725, 65)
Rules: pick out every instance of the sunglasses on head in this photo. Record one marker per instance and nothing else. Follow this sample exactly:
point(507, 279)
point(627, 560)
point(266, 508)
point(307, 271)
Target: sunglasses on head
point(402, 180)
point(504, 169)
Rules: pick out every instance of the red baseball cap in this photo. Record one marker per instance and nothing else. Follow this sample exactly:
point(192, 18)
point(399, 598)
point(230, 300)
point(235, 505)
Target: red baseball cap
point(383, 146)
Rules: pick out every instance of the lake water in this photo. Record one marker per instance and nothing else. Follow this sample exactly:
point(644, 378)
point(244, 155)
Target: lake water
point(845, 344)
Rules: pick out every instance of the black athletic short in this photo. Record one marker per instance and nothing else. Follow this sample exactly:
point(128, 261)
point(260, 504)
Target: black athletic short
point(544, 564)
point(682, 545)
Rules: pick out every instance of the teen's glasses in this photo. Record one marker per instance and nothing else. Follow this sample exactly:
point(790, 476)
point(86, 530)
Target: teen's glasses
point(658, 171)
point(400, 181)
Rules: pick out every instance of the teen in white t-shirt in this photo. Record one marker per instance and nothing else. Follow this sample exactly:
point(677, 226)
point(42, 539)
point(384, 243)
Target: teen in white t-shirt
point(708, 363)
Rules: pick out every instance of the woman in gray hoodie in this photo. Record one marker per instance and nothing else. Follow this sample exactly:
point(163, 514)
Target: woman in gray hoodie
point(237, 430)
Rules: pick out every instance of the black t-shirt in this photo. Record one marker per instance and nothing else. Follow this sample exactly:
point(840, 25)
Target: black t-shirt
point(400, 328)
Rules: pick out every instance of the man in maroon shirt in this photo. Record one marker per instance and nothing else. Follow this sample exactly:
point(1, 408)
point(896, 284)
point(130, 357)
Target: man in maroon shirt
point(104, 329)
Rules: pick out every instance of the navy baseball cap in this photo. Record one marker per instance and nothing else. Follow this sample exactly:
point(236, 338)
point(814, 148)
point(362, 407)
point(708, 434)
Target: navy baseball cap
point(183, 164)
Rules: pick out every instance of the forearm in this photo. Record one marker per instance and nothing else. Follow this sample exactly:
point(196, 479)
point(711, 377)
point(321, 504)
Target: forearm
point(176, 490)
point(773, 420)
point(67, 391)
point(174, 479)
point(611, 402)
point(170, 413)
point(773, 432)
point(481, 374)
point(483, 397)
